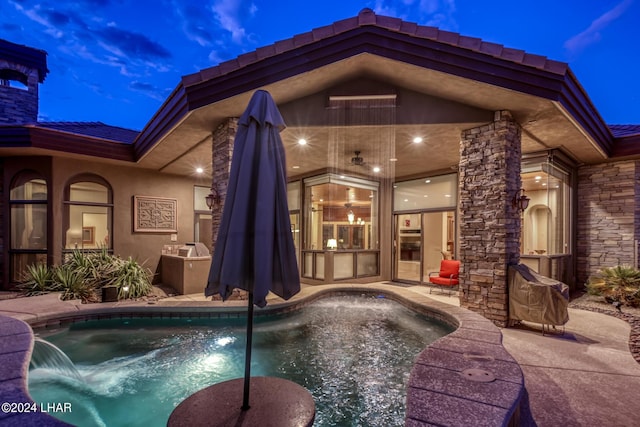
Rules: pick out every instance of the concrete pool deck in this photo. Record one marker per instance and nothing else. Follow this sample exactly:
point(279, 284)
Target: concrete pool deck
point(587, 376)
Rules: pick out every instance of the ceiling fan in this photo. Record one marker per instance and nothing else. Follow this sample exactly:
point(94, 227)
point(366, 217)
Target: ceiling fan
point(357, 160)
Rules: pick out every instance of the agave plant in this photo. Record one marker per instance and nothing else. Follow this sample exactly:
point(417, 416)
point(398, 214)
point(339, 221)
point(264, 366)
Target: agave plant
point(104, 266)
point(132, 279)
point(617, 284)
point(37, 280)
point(73, 284)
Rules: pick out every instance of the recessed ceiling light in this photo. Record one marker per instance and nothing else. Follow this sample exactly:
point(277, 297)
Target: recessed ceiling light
point(537, 178)
point(406, 200)
point(426, 195)
point(199, 170)
point(417, 140)
point(302, 141)
point(295, 167)
point(447, 195)
point(376, 169)
point(427, 181)
point(393, 159)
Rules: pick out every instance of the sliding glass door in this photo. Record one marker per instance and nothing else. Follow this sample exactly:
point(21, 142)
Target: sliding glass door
point(422, 241)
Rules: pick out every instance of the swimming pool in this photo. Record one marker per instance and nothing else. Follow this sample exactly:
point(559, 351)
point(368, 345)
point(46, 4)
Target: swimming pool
point(354, 355)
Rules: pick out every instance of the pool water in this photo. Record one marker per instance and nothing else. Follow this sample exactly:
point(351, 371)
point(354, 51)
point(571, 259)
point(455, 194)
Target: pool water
point(354, 355)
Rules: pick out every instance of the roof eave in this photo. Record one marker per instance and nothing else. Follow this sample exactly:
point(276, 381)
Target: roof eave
point(168, 116)
point(50, 139)
point(479, 61)
point(626, 146)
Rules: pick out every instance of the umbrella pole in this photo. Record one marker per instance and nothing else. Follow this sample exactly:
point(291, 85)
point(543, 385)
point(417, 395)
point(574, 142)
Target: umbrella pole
point(247, 362)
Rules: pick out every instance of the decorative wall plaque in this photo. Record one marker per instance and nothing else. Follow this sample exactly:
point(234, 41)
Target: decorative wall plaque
point(155, 215)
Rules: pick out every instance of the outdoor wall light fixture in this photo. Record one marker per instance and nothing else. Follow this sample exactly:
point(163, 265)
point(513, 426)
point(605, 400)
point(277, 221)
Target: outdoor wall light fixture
point(212, 199)
point(520, 200)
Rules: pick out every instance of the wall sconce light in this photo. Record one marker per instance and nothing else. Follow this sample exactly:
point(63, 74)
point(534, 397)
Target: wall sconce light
point(212, 199)
point(332, 244)
point(520, 200)
point(350, 216)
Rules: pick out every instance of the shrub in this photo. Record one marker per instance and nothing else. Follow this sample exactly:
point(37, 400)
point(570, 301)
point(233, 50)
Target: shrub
point(84, 273)
point(37, 280)
point(619, 284)
point(131, 278)
point(71, 281)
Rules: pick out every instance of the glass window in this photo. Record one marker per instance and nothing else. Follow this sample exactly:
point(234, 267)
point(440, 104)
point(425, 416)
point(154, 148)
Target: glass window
point(88, 214)
point(293, 195)
point(341, 209)
point(199, 198)
point(28, 228)
point(202, 227)
point(426, 193)
point(546, 221)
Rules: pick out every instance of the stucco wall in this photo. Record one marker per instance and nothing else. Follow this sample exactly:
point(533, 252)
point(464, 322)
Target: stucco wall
point(127, 182)
point(608, 220)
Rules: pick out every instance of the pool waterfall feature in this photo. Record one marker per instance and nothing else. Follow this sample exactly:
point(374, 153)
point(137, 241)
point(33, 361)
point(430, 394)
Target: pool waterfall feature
point(437, 391)
point(46, 355)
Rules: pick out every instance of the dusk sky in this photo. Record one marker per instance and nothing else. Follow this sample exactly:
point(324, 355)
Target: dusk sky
point(116, 61)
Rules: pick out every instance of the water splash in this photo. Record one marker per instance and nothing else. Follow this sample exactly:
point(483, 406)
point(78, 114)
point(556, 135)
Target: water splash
point(47, 356)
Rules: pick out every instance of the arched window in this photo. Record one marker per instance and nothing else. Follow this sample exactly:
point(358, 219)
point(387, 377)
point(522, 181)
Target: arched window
point(28, 229)
point(88, 213)
point(13, 78)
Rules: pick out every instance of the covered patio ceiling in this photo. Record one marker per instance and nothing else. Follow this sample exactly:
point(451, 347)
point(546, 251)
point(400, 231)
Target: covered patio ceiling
point(545, 124)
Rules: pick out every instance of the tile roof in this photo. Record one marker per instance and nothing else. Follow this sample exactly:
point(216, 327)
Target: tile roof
point(620, 131)
point(93, 129)
point(367, 17)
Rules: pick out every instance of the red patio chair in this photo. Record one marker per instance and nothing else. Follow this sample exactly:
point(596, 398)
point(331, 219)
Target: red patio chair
point(447, 277)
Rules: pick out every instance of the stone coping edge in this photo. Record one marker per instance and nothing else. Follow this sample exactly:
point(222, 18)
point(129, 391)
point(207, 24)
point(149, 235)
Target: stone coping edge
point(447, 384)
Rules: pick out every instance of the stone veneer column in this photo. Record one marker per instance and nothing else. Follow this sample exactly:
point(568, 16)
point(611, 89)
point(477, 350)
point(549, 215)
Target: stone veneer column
point(608, 218)
point(490, 163)
point(222, 150)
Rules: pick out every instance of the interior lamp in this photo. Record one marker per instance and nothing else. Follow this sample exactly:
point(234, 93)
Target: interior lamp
point(332, 244)
point(350, 216)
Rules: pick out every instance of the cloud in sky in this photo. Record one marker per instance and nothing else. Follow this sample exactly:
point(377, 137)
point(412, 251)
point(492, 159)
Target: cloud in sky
point(129, 44)
point(196, 22)
point(437, 13)
point(592, 34)
point(79, 32)
point(149, 90)
point(228, 14)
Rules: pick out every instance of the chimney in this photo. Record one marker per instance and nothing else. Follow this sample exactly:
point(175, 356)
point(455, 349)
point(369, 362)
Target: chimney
point(21, 70)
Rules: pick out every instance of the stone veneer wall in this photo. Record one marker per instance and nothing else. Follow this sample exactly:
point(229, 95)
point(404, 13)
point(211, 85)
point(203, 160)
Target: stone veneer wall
point(490, 158)
point(223, 139)
point(608, 220)
point(19, 105)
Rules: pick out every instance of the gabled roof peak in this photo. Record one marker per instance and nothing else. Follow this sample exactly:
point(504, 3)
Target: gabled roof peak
point(368, 18)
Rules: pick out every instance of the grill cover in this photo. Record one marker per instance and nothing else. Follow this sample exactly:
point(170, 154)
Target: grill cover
point(537, 298)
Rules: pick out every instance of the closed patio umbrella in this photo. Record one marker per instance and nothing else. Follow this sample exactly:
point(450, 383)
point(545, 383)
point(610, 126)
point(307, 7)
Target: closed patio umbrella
point(254, 250)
